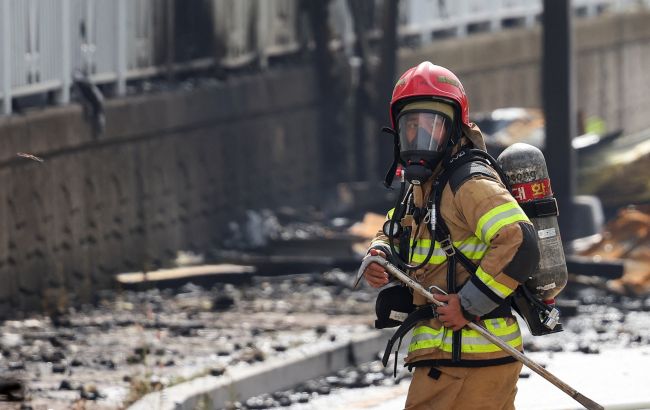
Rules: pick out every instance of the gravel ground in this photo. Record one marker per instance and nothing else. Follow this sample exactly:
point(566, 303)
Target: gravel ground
point(599, 328)
point(134, 342)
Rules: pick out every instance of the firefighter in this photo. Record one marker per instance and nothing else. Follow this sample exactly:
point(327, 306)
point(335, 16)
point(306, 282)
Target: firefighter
point(453, 366)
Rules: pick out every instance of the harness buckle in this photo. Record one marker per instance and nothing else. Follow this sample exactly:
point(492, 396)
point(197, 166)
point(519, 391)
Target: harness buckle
point(434, 311)
point(447, 246)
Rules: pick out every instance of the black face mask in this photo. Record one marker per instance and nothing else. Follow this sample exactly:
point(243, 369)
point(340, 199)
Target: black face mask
point(420, 165)
point(417, 174)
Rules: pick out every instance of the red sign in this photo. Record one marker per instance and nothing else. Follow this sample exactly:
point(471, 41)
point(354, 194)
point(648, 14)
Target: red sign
point(532, 190)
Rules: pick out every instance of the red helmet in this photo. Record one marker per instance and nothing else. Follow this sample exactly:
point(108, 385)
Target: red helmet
point(429, 80)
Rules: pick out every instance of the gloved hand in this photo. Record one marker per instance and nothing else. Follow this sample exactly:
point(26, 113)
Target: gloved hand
point(375, 274)
point(451, 315)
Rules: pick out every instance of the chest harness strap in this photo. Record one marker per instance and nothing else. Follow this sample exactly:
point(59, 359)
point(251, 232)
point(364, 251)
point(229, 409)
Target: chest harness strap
point(443, 236)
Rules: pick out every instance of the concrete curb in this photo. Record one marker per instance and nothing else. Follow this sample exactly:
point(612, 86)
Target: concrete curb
point(281, 372)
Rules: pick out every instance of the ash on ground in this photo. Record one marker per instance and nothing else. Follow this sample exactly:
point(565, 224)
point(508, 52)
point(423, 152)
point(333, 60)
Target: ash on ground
point(105, 357)
point(136, 342)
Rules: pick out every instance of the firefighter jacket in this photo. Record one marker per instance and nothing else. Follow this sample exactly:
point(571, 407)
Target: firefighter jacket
point(487, 225)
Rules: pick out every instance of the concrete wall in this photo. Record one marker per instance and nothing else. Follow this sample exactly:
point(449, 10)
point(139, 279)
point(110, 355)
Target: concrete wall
point(503, 69)
point(169, 172)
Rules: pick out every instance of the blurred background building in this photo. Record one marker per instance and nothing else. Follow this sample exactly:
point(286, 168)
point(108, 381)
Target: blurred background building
point(160, 122)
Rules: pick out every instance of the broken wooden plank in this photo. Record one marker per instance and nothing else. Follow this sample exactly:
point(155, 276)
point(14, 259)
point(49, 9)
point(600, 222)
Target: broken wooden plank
point(171, 277)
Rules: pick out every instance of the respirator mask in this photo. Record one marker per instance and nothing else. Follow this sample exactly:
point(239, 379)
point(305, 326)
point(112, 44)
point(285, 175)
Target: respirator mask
point(424, 129)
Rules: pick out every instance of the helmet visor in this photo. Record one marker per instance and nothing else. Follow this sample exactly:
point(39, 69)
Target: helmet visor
point(423, 131)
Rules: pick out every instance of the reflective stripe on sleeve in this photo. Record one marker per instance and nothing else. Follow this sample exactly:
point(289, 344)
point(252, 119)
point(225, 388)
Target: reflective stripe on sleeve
point(498, 288)
point(492, 221)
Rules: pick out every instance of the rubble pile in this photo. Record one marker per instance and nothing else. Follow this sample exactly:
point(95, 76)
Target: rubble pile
point(617, 171)
point(627, 238)
point(259, 228)
point(137, 342)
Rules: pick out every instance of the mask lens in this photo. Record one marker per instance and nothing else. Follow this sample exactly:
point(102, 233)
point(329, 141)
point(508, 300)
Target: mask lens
point(423, 131)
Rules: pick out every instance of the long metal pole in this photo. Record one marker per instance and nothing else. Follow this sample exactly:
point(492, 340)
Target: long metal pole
point(585, 401)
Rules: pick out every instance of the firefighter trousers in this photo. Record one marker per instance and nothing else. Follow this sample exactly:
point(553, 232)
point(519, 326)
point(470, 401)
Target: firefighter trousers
point(462, 388)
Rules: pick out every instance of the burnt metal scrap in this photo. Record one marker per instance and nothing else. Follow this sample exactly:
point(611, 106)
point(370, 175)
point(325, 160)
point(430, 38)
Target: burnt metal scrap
point(285, 244)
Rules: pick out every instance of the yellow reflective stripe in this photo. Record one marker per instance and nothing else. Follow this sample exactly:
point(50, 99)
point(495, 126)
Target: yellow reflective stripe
point(495, 325)
point(491, 348)
point(422, 243)
point(419, 330)
point(492, 221)
point(435, 259)
point(486, 217)
point(425, 337)
point(389, 215)
point(472, 240)
point(514, 342)
point(500, 289)
point(471, 247)
point(519, 217)
point(498, 327)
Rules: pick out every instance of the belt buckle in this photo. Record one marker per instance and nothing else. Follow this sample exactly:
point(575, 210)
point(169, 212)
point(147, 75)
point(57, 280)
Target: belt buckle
point(447, 246)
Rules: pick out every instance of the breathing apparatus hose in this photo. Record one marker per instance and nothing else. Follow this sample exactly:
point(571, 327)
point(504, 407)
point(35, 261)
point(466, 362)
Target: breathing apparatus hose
point(391, 238)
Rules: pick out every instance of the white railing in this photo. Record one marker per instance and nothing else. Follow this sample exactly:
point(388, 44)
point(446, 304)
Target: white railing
point(43, 42)
point(31, 55)
point(255, 30)
point(422, 19)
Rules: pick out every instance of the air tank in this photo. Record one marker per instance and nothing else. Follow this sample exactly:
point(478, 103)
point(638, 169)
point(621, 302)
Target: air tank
point(525, 167)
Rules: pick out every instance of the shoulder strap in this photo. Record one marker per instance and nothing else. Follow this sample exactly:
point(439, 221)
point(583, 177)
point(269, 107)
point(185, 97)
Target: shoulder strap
point(461, 167)
point(464, 165)
point(469, 170)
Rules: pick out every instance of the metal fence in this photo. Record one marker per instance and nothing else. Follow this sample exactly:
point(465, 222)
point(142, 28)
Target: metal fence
point(423, 19)
point(252, 30)
point(43, 42)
